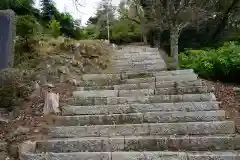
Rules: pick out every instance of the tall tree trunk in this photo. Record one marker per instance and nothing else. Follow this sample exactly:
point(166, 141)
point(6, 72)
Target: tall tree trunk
point(174, 36)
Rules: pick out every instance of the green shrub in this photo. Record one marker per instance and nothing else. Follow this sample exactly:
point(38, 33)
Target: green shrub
point(55, 28)
point(125, 31)
point(13, 87)
point(222, 63)
point(27, 26)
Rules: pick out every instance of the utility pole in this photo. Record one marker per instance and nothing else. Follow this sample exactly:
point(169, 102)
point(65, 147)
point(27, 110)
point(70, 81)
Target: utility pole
point(108, 27)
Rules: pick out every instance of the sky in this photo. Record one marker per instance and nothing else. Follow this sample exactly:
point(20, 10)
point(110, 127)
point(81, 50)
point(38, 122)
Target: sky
point(83, 13)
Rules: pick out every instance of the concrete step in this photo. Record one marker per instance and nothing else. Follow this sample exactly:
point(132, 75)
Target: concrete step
point(158, 155)
point(141, 92)
point(154, 129)
point(88, 101)
point(139, 143)
point(150, 85)
point(138, 118)
point(140, 108)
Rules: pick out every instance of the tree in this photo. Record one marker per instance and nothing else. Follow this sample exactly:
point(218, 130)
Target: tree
point(104, 16)
point(54, 27)
point(49, 11)
point(67, 24)
point(132, 10)
point(230, 10)
point(20, 7)
point(26, 27)
point(176, 15)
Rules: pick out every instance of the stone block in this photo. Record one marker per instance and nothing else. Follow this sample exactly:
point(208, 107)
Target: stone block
point(96, 93)
point(192, 128)
point(139, 92)
point(149, 155)
point(188, 77)
point(161, 117)
point(7, 34)
point(182, 90)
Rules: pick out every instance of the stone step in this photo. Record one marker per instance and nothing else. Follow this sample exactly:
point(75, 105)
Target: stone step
point(139, 143)
point(156, 155)
point(92, 77)
point(138, 118)
point(154, 129)
point(150, 85)
point(138, 58)
point(116, 78)
point(86, 101)
point(140, 108)
point(137, 66)
point(146, 71)
point(154, 61)
point(141, 92)
point(187, 77)
point(136, 69)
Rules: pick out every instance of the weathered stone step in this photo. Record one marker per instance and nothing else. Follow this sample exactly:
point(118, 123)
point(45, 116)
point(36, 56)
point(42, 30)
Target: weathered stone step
point(92, 77)
point(140, 143)
point(86, 101)
point(137, 66)
point(187, 77)
point(140, 108)
point(135, 70)
point(187, 128)
point(139, 58)
point(154, 61)
point(141, 92)
point(150, 85)
point(158, 155)
point(138, 118)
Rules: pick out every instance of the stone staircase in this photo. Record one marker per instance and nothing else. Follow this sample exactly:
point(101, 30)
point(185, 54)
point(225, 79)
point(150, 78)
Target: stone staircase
point(138, 111)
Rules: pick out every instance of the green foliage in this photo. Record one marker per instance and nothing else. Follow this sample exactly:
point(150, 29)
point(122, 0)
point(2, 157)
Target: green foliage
point(125, 31)
point(54, 27)
point(90, 32)
point(222, 63)
point(11, 87)
point(26, 26)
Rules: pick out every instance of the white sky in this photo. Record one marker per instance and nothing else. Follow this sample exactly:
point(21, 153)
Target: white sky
point(82, 13)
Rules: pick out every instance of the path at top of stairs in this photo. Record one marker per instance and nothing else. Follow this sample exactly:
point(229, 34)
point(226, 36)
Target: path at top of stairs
point(137, 110)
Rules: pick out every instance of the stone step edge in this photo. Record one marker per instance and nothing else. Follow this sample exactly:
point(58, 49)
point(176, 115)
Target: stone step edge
point(33, 143)
point(142, 99)
point(213, 97)
point(147, 92)
point(139, 143)
point(118, 108)
point(216, 155)
point(189, 128)
point(155, 84)
point(139, 118)
point(126, 75)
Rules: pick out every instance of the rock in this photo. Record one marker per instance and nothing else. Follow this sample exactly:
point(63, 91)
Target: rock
point(20, 131)
point(49, 85)
point(63, 69)
point(3, 120)
point(13, 150)
point(73, 82)
point(37, 90)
